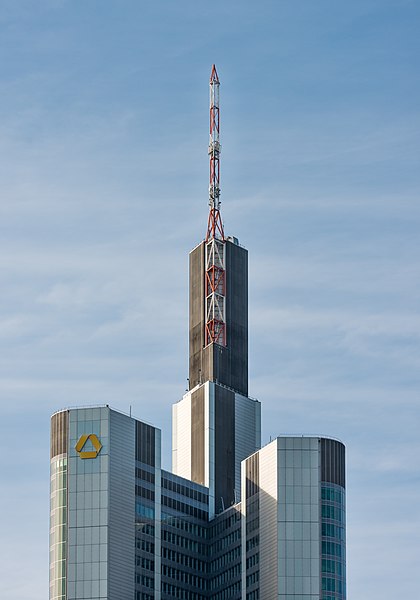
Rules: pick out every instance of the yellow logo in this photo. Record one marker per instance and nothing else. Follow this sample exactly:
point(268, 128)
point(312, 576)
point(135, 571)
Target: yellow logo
point(82, 442)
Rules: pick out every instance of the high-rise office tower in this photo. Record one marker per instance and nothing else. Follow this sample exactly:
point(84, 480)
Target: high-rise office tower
point(216, 425)
point(233, 521)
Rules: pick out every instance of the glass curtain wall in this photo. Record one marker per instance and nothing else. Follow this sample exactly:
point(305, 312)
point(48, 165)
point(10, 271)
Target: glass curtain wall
point(58, 528)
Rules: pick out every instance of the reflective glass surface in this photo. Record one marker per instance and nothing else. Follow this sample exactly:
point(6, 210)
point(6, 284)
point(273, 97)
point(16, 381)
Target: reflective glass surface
point(58, 528)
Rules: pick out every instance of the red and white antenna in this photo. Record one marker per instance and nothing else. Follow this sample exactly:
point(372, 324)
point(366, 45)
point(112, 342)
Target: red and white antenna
point(215, 288)
point(214, 226)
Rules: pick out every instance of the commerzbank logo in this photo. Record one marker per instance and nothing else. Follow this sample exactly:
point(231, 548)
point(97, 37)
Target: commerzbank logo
point(84, 441)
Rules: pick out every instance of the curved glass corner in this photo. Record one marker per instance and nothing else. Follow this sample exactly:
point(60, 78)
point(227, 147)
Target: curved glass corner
point(58, 528)
point(333, 567)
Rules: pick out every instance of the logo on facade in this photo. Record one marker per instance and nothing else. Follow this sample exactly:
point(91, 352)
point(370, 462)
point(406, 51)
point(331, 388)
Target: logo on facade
point(82, 443)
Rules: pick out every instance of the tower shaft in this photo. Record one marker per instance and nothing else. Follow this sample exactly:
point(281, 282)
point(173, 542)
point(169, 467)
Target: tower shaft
point(215, 252)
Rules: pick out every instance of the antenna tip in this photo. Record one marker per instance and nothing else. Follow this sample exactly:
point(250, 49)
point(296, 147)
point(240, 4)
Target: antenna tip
point(214, 78)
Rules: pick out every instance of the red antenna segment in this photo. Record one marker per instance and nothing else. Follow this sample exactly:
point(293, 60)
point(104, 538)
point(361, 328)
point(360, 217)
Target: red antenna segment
point(215, 288)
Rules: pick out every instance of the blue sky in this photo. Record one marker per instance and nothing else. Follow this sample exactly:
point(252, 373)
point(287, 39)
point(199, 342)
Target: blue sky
point(103, 189)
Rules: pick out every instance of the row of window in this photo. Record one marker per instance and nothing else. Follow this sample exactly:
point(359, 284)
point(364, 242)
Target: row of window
point(145, 475)
point(332, 566)
point(184, 525)
point(58, 483)
point(229, 592)
point(178, 488)
point(58, 589)
point(183, 559)
point(226, 541)
point(225, 559)
point(225, 523)
point(252, 543)
point(253, 578)
point(226, 576)
point(255, 595)
point(58, 569)
point(332, 585)
point(333, 549)
point(144, 492)
point(145, 581)
point(252, 525)
point(144, 596)
point(183, 577)
point(333, 512)
point(145, 563)
point(180, 593)
point(58, 498)
point(59, 465)
point(145, 545)
point(331, 530)
point(145, 528)
point(58, 532)
point(252, 560)
point(58, 529)
point(186, 509)
point(332, 495)
point(58, 551)
point(144, 511)
point(183, 542)
point(252, 506)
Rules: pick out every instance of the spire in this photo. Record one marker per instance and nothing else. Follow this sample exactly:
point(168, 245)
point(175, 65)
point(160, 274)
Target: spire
point(215, 288)
point(214, 224)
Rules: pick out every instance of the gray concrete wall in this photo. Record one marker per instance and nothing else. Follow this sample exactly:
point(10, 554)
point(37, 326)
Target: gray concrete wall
point(196, 317)
point(224, 448)
point(234, 370)
point(197, 436)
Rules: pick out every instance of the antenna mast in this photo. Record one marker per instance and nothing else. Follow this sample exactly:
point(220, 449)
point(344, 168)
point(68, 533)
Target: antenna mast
point(215, 288)
point(214, 226)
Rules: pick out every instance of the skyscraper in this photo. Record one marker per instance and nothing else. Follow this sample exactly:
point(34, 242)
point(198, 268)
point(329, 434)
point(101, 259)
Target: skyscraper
point(233, 521)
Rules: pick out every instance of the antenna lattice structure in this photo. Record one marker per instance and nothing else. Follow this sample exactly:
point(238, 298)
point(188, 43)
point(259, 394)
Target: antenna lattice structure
point(214, 226)
point(215, 287)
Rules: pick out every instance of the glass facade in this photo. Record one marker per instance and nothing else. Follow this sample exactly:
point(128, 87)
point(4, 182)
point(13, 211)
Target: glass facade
point(145, 531)
point(184, 527)
point(87, 574)
point(224, 561)
point(58, 527)
point(299, 507)
point(333, 560)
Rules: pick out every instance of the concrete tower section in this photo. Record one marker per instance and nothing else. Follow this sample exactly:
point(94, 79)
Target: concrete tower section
point(227, 365)
point(213, 430)
point(216, 425)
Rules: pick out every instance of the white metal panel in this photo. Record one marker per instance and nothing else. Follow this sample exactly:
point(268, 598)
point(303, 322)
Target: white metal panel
point(181, 428)
point(268, 521)
point(247, 433)
point(209, 447)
